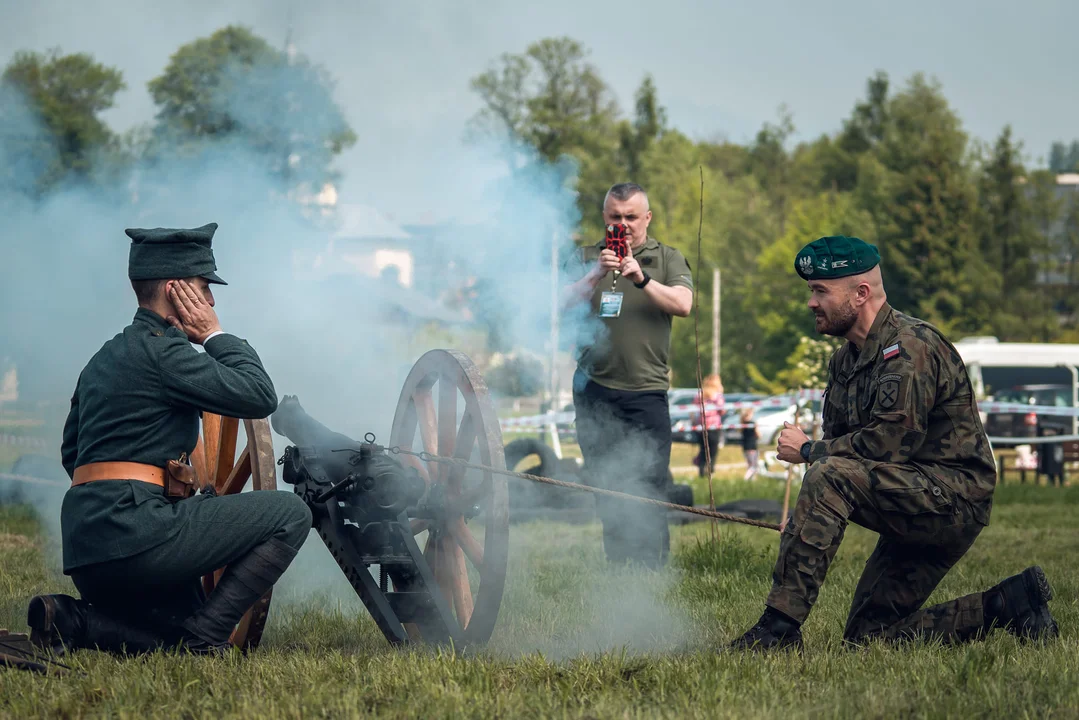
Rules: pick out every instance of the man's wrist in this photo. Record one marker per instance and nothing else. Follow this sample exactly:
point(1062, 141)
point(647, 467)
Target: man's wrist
point(806, 448)
point(215, 333)
point(645, 279)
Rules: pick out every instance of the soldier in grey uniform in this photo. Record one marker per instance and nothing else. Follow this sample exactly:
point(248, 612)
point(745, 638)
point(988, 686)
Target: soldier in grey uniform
point(135, 554)
point(904, 454)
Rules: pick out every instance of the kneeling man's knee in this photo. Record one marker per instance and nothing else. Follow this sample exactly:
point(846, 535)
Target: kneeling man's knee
point(295, 519)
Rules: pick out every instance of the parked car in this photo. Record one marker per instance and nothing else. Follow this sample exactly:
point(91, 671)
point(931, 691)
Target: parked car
point(1019, 424)
point(770, 421)
point(681, 399)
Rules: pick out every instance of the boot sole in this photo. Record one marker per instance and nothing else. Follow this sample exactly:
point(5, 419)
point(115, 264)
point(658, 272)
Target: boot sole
point(1038, 585)
point(1040, 593)
point(40, 616)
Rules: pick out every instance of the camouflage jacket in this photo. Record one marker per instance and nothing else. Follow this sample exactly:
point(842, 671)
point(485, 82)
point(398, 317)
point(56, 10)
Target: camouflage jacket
point(906, 399)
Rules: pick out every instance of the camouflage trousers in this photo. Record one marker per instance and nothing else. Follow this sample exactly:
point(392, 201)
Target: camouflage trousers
point(925, 528)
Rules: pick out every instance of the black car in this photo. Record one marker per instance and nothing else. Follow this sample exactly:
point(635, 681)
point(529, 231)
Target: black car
point(1027, 424)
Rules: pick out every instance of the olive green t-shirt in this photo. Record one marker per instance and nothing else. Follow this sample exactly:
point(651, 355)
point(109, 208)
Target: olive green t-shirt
point(628, 352)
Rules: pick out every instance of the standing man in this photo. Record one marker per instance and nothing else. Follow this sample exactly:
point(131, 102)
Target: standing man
point(620, 386)
point(136, 554)
point(904, 454)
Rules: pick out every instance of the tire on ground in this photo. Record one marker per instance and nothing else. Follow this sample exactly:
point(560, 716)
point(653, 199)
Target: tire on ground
point(525, 494)
point(680, 494)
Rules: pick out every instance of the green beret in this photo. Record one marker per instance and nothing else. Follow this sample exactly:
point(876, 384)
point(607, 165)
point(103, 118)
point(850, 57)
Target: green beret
point(168, 254)
point(836, 256)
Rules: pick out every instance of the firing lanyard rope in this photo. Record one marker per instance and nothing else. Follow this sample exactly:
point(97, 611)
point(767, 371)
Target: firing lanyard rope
point(428, 457)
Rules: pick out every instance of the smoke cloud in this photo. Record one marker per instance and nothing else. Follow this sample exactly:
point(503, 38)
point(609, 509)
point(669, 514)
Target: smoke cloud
point(343, 342)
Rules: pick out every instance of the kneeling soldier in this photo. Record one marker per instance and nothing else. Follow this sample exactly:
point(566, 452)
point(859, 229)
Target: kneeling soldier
point(904, 454)
point(136, 554)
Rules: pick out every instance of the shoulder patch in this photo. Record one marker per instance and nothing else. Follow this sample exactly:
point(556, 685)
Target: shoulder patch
point(890, 376)
point(888, 392)
point(890, 352)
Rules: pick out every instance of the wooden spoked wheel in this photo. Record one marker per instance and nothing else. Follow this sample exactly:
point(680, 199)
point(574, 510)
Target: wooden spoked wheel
point(216, 461)
point(446, 398)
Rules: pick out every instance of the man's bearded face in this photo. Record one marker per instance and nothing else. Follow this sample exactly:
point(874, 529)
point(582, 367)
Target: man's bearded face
point(831, 304)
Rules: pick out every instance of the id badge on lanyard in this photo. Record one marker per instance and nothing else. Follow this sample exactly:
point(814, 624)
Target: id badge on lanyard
point(610, 304)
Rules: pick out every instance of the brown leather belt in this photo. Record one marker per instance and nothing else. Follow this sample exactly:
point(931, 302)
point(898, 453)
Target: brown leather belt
point(119, 471)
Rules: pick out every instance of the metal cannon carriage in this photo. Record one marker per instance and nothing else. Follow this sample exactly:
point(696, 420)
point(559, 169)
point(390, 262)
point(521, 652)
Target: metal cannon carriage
point(370, 502)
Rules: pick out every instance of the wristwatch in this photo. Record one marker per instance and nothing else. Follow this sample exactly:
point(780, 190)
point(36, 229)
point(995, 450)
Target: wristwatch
point(805, 449)
point(644, 282)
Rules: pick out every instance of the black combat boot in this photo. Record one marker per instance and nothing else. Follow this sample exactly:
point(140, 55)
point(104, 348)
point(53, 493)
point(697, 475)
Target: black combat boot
point(1020, 605)
point(62, 623)
point(241, 585)
point(774, 631)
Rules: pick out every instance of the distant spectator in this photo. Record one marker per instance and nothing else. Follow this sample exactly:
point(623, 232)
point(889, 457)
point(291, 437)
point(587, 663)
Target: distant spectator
point(712, 389)
point(749, 442)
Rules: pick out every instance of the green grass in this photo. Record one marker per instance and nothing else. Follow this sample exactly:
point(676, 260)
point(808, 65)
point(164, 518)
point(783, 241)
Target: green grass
point(575, 639)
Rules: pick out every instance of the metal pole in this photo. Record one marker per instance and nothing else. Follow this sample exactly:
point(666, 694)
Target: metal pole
point(1075, 398)
point(553, 399)
point(715, 321)
point(554, 317)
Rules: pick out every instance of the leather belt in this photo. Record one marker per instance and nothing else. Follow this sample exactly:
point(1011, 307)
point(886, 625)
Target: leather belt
point(93, 472)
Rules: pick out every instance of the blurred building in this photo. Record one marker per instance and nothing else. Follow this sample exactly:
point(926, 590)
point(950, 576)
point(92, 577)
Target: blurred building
point(402, 271)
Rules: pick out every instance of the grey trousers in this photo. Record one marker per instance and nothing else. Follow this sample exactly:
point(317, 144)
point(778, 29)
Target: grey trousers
point(161, 587)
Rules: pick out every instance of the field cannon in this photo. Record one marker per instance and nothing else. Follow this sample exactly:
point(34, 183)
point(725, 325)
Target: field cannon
point(374, 505)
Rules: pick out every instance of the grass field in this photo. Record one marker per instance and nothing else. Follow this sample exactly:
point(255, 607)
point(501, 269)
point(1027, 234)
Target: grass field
point(578, 640)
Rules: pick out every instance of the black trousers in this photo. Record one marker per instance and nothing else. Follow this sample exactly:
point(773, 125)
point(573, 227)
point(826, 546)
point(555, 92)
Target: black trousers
point(713, 448)
point(625, 438)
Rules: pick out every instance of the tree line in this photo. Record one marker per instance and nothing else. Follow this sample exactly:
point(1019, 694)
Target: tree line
point(972, 238)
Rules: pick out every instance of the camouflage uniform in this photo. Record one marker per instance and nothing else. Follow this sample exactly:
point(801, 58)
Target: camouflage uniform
point(904, 454)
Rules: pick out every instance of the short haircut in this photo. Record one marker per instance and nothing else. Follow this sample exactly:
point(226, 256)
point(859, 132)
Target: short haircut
point(147, 290)
point(624, 191)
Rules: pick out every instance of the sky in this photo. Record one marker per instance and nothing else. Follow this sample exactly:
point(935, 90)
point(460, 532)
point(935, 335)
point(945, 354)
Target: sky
point(722, 68)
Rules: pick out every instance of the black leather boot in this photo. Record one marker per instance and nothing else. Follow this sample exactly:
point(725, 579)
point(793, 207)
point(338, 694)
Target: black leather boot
point(62, 623)
point(243, 583)
point(1020, 605)
point(774, 631)
point(57, 622)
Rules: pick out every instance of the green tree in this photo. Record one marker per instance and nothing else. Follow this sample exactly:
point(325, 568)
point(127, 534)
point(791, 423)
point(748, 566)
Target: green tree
point(66, 94)
point(1067, 249)
point(737, 224)
point(919, 185)
point(1011, 246)
point(837, 160)
point(721, 156)
point(770, 164)
point(636, 137)
point(1056, 217)
point(234, 85)
point(549, 103)
point(1064, 159)
point(805, 369)
point(515, 375)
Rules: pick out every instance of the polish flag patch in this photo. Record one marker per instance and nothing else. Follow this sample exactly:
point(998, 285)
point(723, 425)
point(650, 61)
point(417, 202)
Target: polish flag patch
point(890, 351)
